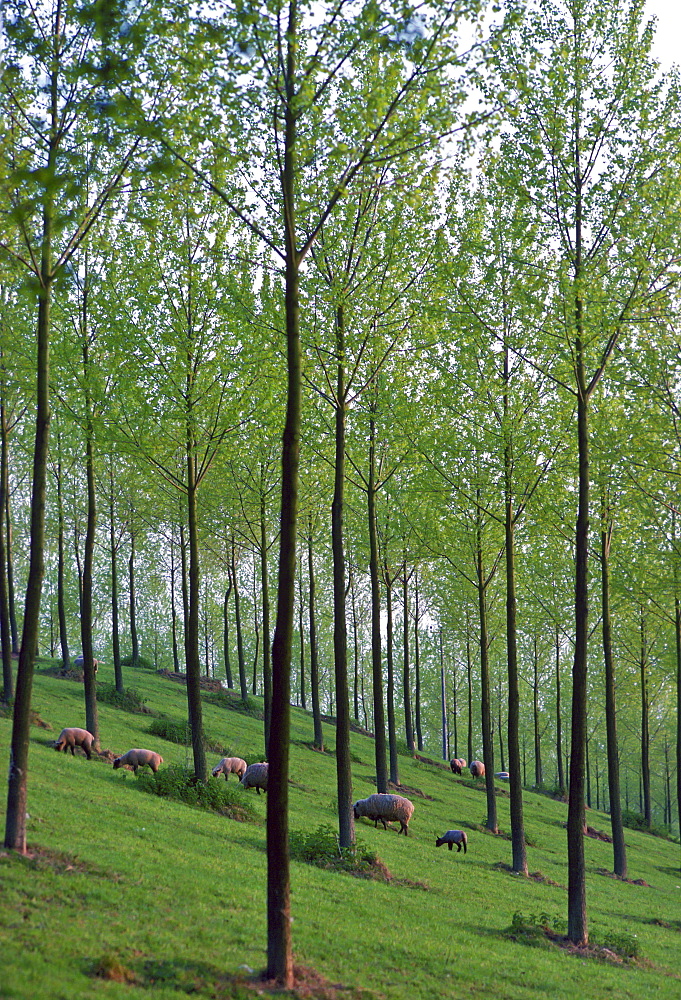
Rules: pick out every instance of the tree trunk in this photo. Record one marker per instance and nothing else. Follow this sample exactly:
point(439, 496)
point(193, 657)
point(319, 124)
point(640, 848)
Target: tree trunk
point(225, 634)
point(89, 683)
point(559, 720)
point(518, 848)
point(392, 734)
point(191, 635)
point(17, 784)
point(115, 624)
point(355, 649)
point(406, 683)
point(314, 654)
point(618, 845)
point(376, 652)
point(266, 650)
point(5, 630)
point(301, 633)
point(346, 822)
point(243, 683)
point(486, 714)
point(173, 609)
point(469, 672)
point(417, 665)
point(279, 949)
point(538, 770)
point(645, 726)
point(134, 641)
point(11, 598)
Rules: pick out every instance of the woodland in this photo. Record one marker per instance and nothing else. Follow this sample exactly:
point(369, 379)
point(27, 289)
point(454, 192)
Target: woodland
point(340, 361)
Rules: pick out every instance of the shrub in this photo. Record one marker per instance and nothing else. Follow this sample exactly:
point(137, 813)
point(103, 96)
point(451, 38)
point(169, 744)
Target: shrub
point(321, 848)
point(129, 699)
point(235, 703)
point(179, 732)
point(635, 821)
point(179, 783)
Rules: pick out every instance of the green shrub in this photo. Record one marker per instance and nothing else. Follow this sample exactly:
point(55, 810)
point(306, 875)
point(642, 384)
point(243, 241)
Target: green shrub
point(142, 662)
point(235, 703)
point(179, 783)
point(129, 699)
point(635, 821)
point(622, 944)
point(179, 732)
point(321, 848)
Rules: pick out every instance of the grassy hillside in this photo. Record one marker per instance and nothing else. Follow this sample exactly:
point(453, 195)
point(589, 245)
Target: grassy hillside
point(128, 895)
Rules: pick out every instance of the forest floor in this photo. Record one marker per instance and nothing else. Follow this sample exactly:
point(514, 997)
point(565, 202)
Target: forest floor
point(125, 894)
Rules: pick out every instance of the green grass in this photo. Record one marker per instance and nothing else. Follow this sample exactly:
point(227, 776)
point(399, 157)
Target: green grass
point(132, 895)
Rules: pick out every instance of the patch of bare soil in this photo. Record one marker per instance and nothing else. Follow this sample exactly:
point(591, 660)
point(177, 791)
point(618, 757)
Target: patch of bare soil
point(620, 878)
point(43, 858)
point(408, 790)
point(532, 876)
point(308, 984)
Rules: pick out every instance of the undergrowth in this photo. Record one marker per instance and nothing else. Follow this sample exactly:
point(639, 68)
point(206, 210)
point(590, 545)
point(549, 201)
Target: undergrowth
point(322, 848)
point(544, 929)
point(129, 699)
point(635, 821)
point(179, 732)
point(234, 702)
point(179, 783)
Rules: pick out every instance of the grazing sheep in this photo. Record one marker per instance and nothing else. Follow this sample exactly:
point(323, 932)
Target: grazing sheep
point(452, 837)
point(74, 737)
point(457, 765)
point(138, 758)
point(230, 765)
point(255, 776)
point(79, 663)
point(386, 808)
point(503, 775)
point(477, 769)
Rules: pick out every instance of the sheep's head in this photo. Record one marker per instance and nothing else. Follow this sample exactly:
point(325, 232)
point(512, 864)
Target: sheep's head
point(117, 763)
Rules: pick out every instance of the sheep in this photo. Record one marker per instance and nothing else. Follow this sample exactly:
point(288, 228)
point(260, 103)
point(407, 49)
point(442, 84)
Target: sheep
point(255, 776)
point(452, 837)
point(74, 737)
point(386, 808)
point(230, 765)
point(139, 758)
point(477, 769)
point(457, 765)
point(79, 663)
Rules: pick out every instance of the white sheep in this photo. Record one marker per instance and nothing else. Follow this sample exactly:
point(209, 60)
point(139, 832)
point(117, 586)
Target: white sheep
point(452, 837)
point(73, 737)
point(457, 765)
point(139, 758)
point(387, 809)
point(230, 765)
point(477, 769)
point(255, 776)
point(79, 663)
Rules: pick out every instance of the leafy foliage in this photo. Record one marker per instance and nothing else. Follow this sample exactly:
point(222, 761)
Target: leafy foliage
point(179, 783)
point(129, 699)
point(322, 848)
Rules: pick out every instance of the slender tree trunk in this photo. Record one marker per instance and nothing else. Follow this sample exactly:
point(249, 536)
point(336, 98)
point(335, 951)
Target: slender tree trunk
point(314, 654)
point(346, 822)
point(256, 629)
point(191, 635)
point(301, 632)
point(243, 683)
point(184, 581)
point(225, 634)
point(376, 652)
point(559, 720)
point(355, 646)
point(514, 776)
point(5, 631)
point(279, 947)
point(11, 596)
point(677, 631)
point(392, 734)
point(134, 640)
point(115, 624)
point(266, 639)
point(406, 682)
point(538, 770)
point(17, 784)
point(469, 672)
point(618, 845)
point(417, 665)
point(645, 726)
point(173, 609)
point(486, 715)
point(89, 683)
point(443, 695)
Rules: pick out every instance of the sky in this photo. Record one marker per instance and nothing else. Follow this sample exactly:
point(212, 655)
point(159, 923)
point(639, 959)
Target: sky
point(667, 46)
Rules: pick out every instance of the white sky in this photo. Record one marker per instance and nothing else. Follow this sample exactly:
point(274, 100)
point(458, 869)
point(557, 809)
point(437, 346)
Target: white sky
point(667, 45)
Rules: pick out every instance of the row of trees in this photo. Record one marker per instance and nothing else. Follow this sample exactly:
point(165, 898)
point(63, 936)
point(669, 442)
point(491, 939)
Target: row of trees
point(276, 216)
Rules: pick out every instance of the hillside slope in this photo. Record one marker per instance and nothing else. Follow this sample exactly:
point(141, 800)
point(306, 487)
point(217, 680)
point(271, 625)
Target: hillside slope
point(130, 895)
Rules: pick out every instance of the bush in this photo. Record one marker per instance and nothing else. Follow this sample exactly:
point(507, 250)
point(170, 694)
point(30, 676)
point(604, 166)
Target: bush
point(129, 699)
point(235, 703)
point(635, 821)
point(322, 849)
point(179, 783)
point(142, 662)
point(179, 732)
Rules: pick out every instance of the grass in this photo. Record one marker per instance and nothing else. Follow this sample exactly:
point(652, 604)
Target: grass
point(131, 895)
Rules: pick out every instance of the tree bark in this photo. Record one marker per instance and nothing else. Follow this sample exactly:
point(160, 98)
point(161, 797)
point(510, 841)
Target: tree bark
point(89, 683)
point(417, 665)
point(618, 845)
point(243, 682)
point(132, 598)
point(559, 719)
point(376, 652)
point(314, 653)
point(5, 630)
point(645, 725)
point(406, 682)
point(266, 649)
point(392, 733)
point(115, 623)
point(225, 635)
point(485, 706)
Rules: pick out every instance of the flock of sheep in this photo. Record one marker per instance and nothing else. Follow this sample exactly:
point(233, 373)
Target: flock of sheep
point(380, 807)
